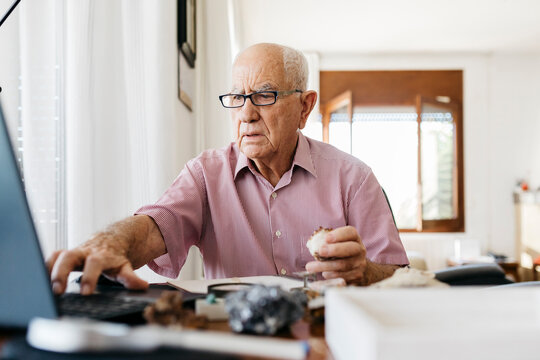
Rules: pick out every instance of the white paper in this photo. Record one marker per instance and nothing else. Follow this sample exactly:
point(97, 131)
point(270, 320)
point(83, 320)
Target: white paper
point(201, 286)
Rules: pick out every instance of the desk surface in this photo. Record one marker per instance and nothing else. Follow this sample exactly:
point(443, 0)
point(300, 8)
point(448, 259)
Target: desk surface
point(301, 330)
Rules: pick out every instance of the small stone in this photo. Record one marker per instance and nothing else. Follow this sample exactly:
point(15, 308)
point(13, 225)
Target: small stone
point(264, 309)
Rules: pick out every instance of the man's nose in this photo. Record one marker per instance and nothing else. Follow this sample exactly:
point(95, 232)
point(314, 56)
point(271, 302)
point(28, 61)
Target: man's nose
point(249, 112)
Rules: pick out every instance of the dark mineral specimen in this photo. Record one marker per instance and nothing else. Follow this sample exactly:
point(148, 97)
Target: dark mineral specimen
point(264, 309)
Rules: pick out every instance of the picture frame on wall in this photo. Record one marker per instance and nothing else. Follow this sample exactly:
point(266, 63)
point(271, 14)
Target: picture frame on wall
point(186, 82)
point(187, 30)
point(186, 51)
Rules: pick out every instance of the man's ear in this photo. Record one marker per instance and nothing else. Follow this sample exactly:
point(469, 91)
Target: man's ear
point(308, 99)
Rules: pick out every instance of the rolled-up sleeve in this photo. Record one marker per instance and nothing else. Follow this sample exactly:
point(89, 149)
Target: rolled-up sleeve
point(179, 214)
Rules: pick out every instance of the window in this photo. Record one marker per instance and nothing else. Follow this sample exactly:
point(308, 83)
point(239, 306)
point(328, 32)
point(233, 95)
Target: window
point(406, 125)
point(38, 125)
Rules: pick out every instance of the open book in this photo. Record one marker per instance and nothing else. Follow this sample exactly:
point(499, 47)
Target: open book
point(201, 286)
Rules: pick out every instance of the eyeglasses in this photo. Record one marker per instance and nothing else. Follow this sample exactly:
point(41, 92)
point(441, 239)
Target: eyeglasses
point(259, 98)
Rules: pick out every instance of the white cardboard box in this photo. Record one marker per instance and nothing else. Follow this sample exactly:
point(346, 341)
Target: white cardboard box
point(377, 324)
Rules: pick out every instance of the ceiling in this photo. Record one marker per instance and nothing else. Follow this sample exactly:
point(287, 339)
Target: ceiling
point(393, 26)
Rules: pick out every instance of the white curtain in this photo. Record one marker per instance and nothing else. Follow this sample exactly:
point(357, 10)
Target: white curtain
point(10, 67)
point(107, 73)
point(38, 141)
point(126, 136)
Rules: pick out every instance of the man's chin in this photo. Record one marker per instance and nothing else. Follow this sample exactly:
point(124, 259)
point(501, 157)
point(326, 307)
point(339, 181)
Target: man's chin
point(252, 152)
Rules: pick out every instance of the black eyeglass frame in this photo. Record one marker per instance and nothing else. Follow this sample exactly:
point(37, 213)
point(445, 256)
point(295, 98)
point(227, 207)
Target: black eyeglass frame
point(246, 96)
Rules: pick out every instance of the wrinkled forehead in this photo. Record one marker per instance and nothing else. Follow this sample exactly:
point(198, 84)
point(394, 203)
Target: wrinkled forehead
point(258, 70)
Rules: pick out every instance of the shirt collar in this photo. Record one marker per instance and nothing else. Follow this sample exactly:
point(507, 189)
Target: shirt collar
point(242, 163)
point(302, 158)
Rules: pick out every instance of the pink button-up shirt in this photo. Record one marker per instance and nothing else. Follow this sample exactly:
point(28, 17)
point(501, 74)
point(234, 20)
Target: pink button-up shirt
point(244, 226)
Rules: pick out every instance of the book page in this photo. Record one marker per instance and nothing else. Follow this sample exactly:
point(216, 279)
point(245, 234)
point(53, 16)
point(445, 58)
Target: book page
point(201, 286)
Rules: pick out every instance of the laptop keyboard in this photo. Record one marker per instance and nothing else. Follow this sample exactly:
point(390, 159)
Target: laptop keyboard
point(99, 306)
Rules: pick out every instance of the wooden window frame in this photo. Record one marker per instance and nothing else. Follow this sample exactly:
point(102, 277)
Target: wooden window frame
point(344, 99)
point(443, 225)
point(378, 88)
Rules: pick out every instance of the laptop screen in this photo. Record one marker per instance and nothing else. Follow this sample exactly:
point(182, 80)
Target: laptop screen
point(25, 290)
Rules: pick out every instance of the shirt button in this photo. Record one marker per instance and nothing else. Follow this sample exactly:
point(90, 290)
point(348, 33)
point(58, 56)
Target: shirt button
point(278, 233)
point(283, 271)
point(274, 195)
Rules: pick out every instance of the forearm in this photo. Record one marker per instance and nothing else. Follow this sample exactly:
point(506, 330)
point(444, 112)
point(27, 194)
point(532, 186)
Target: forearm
point(138, 237)
point(376, 272)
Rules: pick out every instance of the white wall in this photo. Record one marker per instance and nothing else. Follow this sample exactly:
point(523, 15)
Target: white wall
point(514, 138)
point(501, 94)
point(215, 128)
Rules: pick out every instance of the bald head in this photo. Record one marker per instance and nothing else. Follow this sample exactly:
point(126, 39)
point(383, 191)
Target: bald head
point(292, 63)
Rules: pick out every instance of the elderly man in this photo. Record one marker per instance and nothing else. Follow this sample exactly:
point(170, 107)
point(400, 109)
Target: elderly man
point(251, 207)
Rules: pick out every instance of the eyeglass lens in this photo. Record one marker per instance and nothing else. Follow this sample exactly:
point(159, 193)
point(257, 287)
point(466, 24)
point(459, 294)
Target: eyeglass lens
point(260, 98)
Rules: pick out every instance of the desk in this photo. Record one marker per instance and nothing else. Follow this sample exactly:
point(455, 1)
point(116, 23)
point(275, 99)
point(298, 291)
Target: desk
point(511, 268)
point(301, 330)
point(314, 334)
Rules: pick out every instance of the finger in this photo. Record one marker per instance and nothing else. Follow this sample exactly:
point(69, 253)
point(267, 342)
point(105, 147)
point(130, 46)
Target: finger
point(311, 266)
point(93, 266)
point(353, 276)
point(345, 264)
point(127, 277)
point(66, 262)
point(51, 260)
point(342, 250)
point(341, 234)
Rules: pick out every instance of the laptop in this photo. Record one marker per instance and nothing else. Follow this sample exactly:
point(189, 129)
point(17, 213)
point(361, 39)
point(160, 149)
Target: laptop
point(25, 290)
